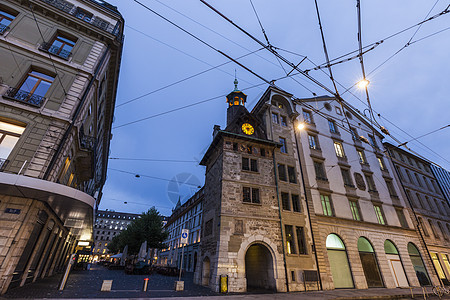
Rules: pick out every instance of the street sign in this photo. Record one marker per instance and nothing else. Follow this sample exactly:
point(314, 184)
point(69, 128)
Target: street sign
point(184, 236)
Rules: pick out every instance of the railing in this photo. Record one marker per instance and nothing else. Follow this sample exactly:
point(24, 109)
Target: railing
point(87, 142)
point(3, 163)
point(3, 28)
point(24, 96)
point(47, 47)
point(72, 10)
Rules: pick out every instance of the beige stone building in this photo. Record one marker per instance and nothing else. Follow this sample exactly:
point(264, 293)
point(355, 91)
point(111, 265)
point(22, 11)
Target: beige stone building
point(430, 207)
point(58, 79)
point(317, 206)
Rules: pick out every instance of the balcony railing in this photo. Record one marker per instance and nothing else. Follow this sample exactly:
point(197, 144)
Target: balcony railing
point(3, 28)
point(86, 141)
point(3, 163)
point(72, 10)
point(24, 96)
point(47, 47)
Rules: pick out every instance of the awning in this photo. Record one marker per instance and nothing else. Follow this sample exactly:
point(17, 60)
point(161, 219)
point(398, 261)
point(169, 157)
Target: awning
point(75, 208)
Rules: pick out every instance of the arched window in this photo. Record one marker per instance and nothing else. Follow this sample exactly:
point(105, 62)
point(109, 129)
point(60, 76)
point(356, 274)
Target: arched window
point(338, 259)
point(419, 267)
point(369, 263)
point(395, 264)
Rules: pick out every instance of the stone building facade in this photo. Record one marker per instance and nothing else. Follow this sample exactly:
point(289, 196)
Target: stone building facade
point(58, 79)
point(108, 224)
point(293, 208)
point(430, 207)
point(185, 216)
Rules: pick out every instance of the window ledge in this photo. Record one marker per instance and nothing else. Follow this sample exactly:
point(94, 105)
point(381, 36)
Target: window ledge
point(251, 203)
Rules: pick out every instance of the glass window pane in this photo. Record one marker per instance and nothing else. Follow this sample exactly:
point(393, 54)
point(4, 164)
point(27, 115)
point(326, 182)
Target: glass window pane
point(364, 245)
point(389, 247)
point(7, 145)
point(29, 84)
point(42, 88)
point(334, 242)
point(11, 127)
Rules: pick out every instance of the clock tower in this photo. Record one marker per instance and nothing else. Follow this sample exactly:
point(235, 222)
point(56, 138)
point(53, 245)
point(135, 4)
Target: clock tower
point(236, 103)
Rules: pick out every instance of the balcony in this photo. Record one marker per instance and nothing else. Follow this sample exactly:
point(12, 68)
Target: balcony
point(74, 11)
point(3, 163)
point(87, 142)
point(3, 28)
point(24, 96)
point(47, 47)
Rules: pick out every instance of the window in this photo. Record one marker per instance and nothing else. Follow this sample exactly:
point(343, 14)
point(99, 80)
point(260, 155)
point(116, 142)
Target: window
point(5, 19)
point(372, 141)
point(250, 195)
point(401, 217)
point(419, 199)
point(33, 88)
point(424, 229)
point(427, 183)
point(381, 162)
point(313, 144)
point(249, 164)
point(283, 121)
point(301, 240)
point(326, 205)
point(9, 135)
point(346, 177)
point(295, 203)
point(291, 175)
point(320, 171)
point(355, 210)
point(433, 230)
point(263, 152)
point(391, 188)
point(293, 275)
point(399, 171)
point(418, 179)
point(379, 214)
point(409, 176)
point(442, 231)
point(275, 118)
point(339, 149)
point(285, 201)
point(60, 46)
point(438, 207)
point(361, 156)
point(283, 148)
point(370, 183)
point(290, 247)
point(83, 15)
point(354, 133)
point(307, 118)
point(333, 127)
point(282, 172)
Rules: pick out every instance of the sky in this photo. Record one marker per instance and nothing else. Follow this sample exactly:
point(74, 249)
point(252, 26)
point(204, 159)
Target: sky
point(173, 83)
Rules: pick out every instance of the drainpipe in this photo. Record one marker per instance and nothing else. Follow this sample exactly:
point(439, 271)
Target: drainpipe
point(416, 218)
point(75, 116)
point(279, 205)
point(307, 207)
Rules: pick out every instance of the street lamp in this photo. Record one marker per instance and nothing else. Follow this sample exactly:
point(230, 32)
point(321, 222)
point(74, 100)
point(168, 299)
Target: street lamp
point(362, 84)
point(301, 126)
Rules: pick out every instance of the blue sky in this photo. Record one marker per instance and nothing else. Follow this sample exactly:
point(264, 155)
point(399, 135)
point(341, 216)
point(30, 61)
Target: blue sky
point(410, 91)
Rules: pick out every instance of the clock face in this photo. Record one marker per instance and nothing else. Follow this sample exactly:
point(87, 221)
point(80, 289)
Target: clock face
point(248, 129)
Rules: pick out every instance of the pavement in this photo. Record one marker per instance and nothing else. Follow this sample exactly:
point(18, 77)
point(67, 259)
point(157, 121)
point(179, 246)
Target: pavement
point(87, 285)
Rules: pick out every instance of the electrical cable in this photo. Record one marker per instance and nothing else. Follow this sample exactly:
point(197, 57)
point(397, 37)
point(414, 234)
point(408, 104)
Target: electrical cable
point(184, 79)
point(201, 41)
point(424, 135)
point(148, 176)
point(155, 160)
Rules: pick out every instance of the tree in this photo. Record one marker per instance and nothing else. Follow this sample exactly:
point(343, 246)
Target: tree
point(148, 227)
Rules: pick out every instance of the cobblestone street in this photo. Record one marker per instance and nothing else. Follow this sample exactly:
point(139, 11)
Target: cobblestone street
point(87, 284)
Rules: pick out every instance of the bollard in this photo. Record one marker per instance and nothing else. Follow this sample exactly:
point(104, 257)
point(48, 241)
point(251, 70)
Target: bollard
point(106, 286)
point(145, 284)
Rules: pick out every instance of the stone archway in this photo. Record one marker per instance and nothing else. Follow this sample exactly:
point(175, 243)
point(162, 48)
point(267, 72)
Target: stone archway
point(206, 271)
point(259, 269)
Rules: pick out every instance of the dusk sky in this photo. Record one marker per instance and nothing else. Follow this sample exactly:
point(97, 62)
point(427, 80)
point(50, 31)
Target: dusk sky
point(174, 70)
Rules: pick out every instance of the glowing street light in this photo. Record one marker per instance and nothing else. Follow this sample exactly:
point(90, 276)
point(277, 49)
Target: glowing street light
point(301, 126)
point(362, 84)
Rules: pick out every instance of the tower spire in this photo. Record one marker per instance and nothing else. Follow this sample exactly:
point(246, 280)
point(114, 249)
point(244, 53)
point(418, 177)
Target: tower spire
point(235, 82)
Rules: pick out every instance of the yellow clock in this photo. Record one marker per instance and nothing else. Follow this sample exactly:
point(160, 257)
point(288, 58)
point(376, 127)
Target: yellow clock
point(248, 129)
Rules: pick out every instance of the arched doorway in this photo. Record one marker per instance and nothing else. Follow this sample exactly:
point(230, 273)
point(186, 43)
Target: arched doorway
point(259, 270)
point(418, 265)
point(395, 264)
point(369, 263)
point(206, 271)
point(337, 257)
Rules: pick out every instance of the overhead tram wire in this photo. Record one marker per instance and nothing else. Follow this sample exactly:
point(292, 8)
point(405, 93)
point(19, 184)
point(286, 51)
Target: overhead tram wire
point(138, 175)
point(202, 41)
point(424, 135)
point(184, 79)
point(153, 160)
